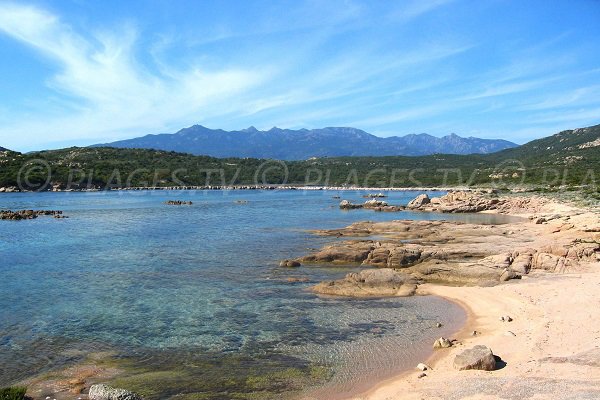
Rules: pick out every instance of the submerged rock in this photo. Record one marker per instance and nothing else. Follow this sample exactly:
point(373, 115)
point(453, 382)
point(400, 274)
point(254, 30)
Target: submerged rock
point(479, 357)
point(105, 392)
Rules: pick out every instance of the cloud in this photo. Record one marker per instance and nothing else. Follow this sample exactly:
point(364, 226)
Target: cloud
point(414, 9)
point(107, 89)
point(412, 113)
point(310, 64)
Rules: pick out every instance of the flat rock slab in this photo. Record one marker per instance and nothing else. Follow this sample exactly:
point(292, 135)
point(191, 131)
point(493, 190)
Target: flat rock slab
point(479, 357)
point(370, 282)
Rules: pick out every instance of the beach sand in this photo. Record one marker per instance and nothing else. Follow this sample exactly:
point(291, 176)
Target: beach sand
point(551, 348)
point(555, 353)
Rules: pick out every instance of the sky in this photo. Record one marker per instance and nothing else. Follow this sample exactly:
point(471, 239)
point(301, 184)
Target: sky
point(76, 72)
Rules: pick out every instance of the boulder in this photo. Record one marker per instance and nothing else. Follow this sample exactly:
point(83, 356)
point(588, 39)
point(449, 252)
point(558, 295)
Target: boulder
point(346, 205)
point(479, 357)
point(393, 256)
point(508, 275)
point(423, 367)
point(375, 203)
point(105, 392)
point(442, 343)
point(343, 253)
point(289, 264)
point(419, 201)
point(522, 263)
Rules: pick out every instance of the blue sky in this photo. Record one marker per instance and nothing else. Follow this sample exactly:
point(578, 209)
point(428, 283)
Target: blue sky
point(81, 72)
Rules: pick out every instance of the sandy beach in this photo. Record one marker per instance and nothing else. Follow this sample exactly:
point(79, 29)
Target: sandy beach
point(551, 347)
point(554, 352)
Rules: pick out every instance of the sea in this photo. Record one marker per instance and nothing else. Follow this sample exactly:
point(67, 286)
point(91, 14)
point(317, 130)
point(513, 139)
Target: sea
point(189, 302)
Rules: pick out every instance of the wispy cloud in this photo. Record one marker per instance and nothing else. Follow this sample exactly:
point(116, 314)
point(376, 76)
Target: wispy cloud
point(109, 90)
point(381, 66)
point(414, 9)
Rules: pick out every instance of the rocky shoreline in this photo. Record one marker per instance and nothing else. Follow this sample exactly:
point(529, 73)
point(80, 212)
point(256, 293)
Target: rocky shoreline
point(527, 285)
point(62, 188)
point(409, 253)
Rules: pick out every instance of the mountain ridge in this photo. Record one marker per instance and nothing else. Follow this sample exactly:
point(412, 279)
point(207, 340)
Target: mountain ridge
point(302, 144)
point(568, 159)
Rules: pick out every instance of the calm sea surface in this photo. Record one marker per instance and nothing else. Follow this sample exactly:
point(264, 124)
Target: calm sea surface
point(196, 289)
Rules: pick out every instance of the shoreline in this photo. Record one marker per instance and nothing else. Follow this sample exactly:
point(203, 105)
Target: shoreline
point(251, 187)
point(543, 312)
point(531, 353)
point(343, 390)
point(435, 356)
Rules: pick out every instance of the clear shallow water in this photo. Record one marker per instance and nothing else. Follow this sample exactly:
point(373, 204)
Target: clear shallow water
point(171, 285)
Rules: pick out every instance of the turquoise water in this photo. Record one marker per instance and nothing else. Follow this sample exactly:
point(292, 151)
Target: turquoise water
point(165, 286)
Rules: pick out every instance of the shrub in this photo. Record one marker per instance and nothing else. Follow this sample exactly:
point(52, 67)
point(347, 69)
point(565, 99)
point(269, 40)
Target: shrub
point(13, 393)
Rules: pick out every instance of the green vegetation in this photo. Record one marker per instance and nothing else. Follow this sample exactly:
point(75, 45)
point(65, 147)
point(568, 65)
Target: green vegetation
point(13, 393)
point(568, 159)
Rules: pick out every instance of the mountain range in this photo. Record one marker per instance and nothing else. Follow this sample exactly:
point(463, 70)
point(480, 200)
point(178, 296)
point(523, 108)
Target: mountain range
point(570, 157)
point(289, 144)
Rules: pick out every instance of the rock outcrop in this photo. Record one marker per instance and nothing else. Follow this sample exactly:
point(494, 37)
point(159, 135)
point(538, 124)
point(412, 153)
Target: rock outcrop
point(418, 201)
point(479, 357)
point(457, 253)
point(373, 204)
point(351, 252)
point(370, 282)
point(28, 214)
point(474, 201)
point(178, 203)
point(346, 205)
point(105, 392)
point(289, 264)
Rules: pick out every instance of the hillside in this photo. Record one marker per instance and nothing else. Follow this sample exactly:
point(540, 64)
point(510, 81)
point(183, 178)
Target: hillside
point(302, 144)
point(567, 158)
